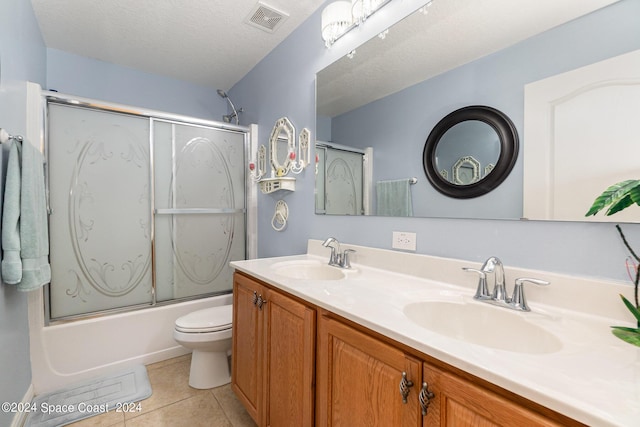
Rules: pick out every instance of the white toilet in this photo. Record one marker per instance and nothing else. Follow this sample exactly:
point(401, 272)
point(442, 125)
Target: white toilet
point(208, 333)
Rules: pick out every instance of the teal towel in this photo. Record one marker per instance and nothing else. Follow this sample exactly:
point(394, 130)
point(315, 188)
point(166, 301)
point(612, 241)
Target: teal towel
point(25, 234)
point(394, 198)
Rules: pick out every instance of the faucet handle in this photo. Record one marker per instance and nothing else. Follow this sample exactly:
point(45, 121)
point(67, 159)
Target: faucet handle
point(518, 301)
point(345, 262)
point(482, 292)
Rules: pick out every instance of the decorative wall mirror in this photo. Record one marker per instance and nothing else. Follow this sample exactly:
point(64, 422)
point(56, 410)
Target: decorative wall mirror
point(470, 151)
point(280, 157)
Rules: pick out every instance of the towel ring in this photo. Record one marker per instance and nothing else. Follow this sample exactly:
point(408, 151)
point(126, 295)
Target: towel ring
point(280, 217)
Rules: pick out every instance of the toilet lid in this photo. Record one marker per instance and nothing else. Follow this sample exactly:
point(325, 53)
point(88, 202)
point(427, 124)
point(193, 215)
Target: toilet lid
point(206, 320)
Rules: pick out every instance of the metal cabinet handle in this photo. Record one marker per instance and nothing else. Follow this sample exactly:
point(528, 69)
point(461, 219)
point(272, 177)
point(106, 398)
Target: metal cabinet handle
point(255, 298)
point(425, 397)
point(405, 386)
point(260, 302)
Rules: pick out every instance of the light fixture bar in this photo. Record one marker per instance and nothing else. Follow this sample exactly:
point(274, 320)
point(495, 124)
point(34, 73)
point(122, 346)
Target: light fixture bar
point(340, 17)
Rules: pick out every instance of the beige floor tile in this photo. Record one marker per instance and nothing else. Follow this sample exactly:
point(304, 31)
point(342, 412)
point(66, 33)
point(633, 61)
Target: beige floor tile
point(163, 363)
point(109, 419)
point(232, 408)
point(200, 410)
point(169, 384)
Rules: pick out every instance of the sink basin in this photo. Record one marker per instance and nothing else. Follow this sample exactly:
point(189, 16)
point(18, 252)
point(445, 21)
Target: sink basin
point(308, 270)
point(483, 324)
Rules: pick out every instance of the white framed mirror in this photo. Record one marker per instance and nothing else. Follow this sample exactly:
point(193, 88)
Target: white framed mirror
point(282, 145)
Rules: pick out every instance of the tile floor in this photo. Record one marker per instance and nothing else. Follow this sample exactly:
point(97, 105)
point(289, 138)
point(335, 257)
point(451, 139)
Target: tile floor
point(174, 404)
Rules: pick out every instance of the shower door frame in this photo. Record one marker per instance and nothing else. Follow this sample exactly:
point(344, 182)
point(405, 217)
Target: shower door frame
point(153, 116)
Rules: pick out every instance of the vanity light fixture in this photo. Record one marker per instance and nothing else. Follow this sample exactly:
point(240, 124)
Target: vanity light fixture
point(362, 9)
point(336, 20)
point(339, 17)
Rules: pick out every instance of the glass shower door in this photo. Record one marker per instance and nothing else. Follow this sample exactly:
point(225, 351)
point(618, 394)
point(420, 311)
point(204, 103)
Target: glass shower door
point(199, 208)
point(343, 183)
point(143, 210)
point(100, 210)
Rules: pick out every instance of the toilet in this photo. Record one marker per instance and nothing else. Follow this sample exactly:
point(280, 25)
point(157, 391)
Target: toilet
point(207, 333)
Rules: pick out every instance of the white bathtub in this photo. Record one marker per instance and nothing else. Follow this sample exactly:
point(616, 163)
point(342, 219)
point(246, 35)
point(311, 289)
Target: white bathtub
point(66, 353)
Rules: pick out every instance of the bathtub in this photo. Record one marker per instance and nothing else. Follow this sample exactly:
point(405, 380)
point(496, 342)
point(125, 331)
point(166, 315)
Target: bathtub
point(66, 353)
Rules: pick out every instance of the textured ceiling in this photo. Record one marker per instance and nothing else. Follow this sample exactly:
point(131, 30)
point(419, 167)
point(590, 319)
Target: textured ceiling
point(452, 33)
point(206, 42)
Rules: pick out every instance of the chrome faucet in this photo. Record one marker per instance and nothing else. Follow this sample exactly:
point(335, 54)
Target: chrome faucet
point(499, 295)
point(494, 265)
point(337, 258)
point(333, 258)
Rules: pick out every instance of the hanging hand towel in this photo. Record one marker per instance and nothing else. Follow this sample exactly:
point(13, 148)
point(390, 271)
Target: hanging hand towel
point(25, 234)
point(394, 198)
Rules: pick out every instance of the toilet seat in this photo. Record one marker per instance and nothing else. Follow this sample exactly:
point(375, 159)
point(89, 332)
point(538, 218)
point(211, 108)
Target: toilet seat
point(212, 319)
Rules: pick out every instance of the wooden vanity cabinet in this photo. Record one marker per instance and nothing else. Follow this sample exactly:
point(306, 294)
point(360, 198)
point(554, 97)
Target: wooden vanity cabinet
point(358, 380)
point(462, 403)
point(356, 372)
point(358, 384)
point(273, 354)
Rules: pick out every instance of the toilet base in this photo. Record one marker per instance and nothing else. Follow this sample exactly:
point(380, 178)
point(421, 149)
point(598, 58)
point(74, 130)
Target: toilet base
point(209, 369)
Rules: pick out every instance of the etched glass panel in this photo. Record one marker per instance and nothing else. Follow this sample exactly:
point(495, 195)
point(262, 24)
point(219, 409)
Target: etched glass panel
point(199, 196)
point(100, 210)
point(343, 182)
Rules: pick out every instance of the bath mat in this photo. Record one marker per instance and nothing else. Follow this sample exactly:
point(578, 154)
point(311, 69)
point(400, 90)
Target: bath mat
point(115, 392)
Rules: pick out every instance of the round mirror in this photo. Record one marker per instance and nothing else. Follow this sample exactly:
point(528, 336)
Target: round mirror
point(470, 152)
point(281, 145)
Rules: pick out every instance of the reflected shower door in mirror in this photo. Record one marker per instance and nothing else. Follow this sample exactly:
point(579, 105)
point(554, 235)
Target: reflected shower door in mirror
point(341, 188)
point(393, 91)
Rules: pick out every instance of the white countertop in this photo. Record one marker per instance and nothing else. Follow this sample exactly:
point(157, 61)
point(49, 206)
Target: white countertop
point(594, 378)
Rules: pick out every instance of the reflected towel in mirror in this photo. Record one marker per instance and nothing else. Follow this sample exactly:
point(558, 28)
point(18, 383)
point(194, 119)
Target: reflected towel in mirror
point(394, 198)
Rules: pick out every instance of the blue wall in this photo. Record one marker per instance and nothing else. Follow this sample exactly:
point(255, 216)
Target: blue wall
point(283, 85)
point(22, 57)
point(90, 78)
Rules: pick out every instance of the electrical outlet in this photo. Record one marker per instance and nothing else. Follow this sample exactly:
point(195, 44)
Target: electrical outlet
point(404, 240)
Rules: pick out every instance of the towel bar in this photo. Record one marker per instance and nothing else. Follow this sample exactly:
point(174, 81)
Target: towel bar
point(6, 136)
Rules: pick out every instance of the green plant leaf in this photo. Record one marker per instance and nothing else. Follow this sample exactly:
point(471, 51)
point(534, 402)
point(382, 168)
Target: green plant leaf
point(620, 196)
point(626, 328)
point(619, 204)
point(631, 336)
point(632, 308)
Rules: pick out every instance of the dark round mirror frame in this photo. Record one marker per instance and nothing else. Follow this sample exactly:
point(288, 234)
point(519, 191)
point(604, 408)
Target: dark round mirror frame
point(507, 133)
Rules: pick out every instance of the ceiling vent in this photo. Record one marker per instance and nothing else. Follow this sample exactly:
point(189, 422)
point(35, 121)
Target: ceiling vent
point(265, 17)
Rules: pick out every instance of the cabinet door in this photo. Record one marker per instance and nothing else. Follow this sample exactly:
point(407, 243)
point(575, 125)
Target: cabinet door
point(289, 361)
point(246, 370)
point(359, 377)
point(461, 403)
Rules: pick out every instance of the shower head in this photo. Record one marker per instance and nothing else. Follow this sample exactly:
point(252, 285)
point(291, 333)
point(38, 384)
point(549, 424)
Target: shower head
point(227, 118)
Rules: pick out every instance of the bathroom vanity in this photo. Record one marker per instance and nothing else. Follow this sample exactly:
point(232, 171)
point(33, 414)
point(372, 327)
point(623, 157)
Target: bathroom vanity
point(319, 345)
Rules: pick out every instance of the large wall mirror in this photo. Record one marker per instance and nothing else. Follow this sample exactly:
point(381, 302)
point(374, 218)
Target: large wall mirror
point(387, 97)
